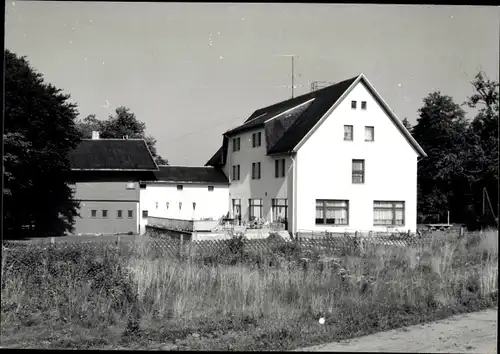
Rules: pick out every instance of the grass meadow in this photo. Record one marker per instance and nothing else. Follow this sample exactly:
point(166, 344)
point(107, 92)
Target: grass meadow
point(237, 298)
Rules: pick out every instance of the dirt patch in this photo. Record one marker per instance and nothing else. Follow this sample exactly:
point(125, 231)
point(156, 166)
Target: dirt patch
point(466, 333)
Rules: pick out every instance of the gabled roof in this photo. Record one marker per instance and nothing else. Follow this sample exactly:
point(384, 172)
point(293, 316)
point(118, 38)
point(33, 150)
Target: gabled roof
point(185, 174)
point(289, 123)
point(112, 155)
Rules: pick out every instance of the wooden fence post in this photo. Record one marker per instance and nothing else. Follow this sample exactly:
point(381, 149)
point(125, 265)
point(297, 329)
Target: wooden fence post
point(52, 240)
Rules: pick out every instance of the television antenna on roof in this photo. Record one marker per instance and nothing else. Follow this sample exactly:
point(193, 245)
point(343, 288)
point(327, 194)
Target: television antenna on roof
point(293, 56)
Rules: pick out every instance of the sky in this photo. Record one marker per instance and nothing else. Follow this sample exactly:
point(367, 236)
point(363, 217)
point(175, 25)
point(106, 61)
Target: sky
point(191, 71)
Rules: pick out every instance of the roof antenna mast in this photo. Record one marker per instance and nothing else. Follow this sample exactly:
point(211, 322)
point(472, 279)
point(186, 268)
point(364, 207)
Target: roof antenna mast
point(293, 69)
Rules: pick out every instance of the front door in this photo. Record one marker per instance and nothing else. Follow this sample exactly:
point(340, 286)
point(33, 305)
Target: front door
point(280, 211)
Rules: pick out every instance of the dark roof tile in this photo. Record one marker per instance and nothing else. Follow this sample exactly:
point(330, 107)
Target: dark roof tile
point(187, 174)
point(112, 154)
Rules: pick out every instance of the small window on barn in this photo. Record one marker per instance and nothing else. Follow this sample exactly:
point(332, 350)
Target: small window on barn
point(194, 205)
point(363, 105)
point(210, 188)
point(168, 204)
point(93, 213)
point(119, 214)
point(130, 214)
point(131, 185)
point(180, 205)
point(353, 104)
point(144, 213)
point(156, 205)
point(180, 187)
point(104, 213)
point(142, 185)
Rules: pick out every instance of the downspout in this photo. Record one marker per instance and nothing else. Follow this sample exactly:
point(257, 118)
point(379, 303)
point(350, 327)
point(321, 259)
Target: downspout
point(229, 170)
point(294, 195)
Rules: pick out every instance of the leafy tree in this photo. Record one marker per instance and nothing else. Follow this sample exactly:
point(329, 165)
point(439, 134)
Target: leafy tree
point(123, 123)
point(39, 133)
point(441, 131)
point(482, 163)
point(407, 124)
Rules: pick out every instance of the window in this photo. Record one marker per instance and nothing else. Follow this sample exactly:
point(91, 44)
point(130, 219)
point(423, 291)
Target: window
point(348, 132)
point(131, 185)
point(119, 214)
point(388, 213)
point(279, 168)
point(104, 213)
point(144, 213)
point(255, 209)
point(236, 144)
point(279, 208)
point(237, 209)
point(358, 171)
point(142, 185)
point(236, 173)
point(332, 212)
point(180, 205)
point(93, 213)
point(168, 204)
point(180, 187)
point(156, 205)
point(256, 170)
point(363, 104)
point(130, 214)
point(256, 139)
point(353, 104)
point(210, 188)
point(194, 205)
point(369, 133)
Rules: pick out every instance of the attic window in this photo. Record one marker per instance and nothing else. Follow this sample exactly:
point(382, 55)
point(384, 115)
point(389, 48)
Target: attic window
point(353, 104)
point(210, 188)
point(180, 187)
point(142, 185)
point(363, 104)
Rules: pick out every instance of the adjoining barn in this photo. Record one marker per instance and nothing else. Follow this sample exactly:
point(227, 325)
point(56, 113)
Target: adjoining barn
point(180, 195)
point(105, 180)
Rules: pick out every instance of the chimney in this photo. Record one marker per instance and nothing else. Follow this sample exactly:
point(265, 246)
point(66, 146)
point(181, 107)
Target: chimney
point(95, 135)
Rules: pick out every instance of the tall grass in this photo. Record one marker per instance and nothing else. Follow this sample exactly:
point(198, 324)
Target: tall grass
point(281, 299)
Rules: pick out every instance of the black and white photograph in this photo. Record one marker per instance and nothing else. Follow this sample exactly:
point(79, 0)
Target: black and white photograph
point(250, 176)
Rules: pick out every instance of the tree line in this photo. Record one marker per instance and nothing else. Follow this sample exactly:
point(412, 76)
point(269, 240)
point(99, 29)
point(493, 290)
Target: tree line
point(460, 174)
point(42, 127)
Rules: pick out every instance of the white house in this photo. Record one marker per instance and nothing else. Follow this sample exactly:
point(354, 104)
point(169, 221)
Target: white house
point(184, 193)
point(337, 159)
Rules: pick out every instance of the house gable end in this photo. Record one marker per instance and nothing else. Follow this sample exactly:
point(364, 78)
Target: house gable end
point(361, 79)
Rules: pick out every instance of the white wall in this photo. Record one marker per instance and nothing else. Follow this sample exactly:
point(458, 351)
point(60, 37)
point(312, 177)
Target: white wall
point(325, 165)
point(268, 186)
point(155, 196)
